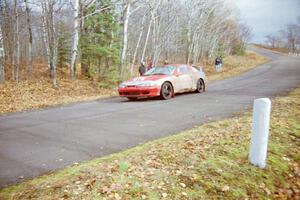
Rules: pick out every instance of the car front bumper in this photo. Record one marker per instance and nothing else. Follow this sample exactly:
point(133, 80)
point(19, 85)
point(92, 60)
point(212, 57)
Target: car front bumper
point(136, 91)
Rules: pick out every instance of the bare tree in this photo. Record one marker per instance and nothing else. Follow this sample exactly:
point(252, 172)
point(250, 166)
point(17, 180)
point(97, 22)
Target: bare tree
point(291, 34)
point(16, 59)
point(288, 38)
point(7, 35)
point(45, 38)
point(30, 66)
point(51, 35)
point(272, 40)
point(177, 30)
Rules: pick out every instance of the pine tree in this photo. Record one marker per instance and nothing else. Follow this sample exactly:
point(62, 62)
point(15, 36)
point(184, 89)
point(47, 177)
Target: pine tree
point(100, 44)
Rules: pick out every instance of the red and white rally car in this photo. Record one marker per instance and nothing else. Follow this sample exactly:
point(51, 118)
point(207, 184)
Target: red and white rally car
point(164, 81)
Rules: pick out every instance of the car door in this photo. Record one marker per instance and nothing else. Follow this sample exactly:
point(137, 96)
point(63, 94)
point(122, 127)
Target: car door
point(183, 79)
point(195, 76)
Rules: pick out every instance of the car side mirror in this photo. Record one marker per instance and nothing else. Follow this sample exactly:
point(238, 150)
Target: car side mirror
point(177, 74)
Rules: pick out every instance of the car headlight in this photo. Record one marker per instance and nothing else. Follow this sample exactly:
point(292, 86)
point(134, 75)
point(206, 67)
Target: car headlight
point(146, 84)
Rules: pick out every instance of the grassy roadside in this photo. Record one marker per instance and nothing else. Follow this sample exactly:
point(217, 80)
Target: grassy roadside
point(207, 162)
point(38, 92)
point(234, 65)
point(276, 50)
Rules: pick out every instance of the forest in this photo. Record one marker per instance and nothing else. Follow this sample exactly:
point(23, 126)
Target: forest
point(105, 40)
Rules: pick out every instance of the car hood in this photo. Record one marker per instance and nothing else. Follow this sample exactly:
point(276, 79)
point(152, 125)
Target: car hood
point(147, 78)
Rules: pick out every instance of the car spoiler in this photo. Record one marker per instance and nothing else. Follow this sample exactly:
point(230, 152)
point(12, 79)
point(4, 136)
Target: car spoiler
point(198, 68)
point(201, 69)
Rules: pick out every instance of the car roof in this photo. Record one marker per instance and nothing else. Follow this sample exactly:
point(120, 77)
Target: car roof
point(177, 65)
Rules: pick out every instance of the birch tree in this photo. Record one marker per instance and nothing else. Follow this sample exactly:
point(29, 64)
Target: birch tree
point(125, 35)
point(146, 40)
point(137, 45)
point(127, 12)
point(75, 38)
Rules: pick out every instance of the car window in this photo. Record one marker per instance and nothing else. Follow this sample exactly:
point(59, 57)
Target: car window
point(183, 70)
point(166, 70)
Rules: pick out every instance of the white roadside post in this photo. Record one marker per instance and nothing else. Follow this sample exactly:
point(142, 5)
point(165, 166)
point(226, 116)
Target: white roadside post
point(260, 132)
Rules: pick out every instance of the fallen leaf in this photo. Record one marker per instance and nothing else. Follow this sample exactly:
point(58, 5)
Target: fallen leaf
point(77, 182)
point(182, 185)
point(105, 189)
point(225, 188)
point(267, 191)
point(117, 196)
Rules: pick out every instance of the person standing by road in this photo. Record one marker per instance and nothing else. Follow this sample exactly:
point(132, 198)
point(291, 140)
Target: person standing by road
point(150, 65)
point(218, 63)
point(142, 68)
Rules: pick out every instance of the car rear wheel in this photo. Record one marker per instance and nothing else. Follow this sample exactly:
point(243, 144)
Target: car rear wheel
point(166, 91)
point(200, 86)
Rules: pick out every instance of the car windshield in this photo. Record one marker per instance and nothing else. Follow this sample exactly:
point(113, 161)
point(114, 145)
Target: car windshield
point(163, 70)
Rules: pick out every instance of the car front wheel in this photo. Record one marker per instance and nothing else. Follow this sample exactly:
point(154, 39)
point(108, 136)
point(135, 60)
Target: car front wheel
point(200, 86)
point(166, 91)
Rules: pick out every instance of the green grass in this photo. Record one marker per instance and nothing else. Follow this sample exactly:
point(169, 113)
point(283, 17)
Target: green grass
point(207, 162)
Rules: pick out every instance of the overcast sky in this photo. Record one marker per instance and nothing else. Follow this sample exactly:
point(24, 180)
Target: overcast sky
point(267, 16)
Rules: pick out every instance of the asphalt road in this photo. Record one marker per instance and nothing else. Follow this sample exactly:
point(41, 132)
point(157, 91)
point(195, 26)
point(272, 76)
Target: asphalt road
point(37, 142)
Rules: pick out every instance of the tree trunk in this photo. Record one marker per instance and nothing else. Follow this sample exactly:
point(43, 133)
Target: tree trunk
point(125, 38)
point(53, 46)
point(30, 66)
point(188, 49)
point(153, 40)
point(2, 72)
point(84, 63)
point(75, 38)
point(17, 43)
point(12, 67)
point(137, 45)
point(48, 13)
point(46, 39)
point(8, 34)
point(146, 40)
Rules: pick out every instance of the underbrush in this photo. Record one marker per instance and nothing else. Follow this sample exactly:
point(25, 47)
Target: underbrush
point(39, 93)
